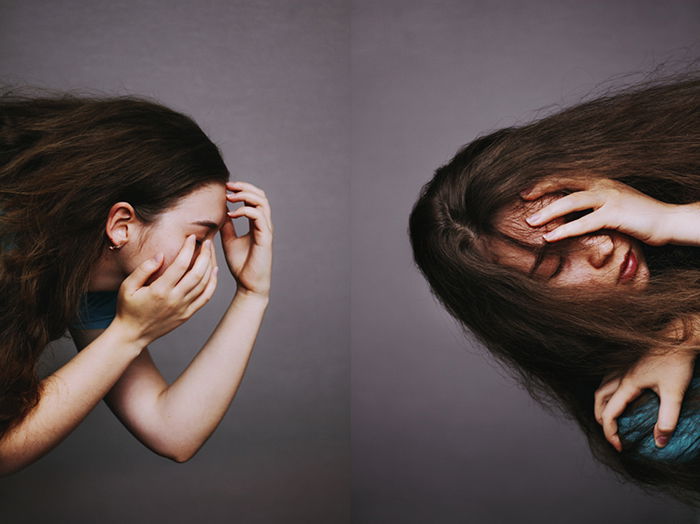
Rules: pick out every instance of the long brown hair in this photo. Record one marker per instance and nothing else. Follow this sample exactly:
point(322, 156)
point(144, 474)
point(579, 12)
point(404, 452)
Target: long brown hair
point(560, 342)
point(65, 159)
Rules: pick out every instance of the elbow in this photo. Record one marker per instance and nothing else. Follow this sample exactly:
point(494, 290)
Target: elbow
point(181, 459)
point(8, 468)
point(183, 455)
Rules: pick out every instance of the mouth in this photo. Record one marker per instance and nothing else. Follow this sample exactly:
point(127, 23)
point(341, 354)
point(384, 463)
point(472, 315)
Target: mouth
point(628, 268)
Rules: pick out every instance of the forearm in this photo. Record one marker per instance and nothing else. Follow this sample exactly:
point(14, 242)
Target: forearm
point(192, 406)
point(685, 224)
point(68, 395)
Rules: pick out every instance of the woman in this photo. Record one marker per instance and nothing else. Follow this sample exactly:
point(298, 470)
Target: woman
point(608, 303)
point(109, 209)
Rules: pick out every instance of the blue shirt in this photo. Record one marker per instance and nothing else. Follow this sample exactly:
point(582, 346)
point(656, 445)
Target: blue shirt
point(97, 310)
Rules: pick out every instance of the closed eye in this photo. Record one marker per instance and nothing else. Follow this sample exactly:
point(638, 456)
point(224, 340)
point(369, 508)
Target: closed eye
point(559, 268)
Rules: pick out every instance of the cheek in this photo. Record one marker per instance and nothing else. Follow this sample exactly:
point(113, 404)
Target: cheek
point(170, 253)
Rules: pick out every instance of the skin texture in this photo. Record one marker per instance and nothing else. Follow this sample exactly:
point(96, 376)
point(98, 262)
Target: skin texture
point(617, 219)
point(175, 420)
point(593, 260)
point(140, 242)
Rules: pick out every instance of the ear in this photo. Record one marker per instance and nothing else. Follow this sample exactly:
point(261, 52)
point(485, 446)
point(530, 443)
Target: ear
point(120, 223)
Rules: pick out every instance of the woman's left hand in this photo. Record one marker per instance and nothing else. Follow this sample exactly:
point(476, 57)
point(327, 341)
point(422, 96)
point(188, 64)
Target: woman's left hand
point(615, 206)
point(668, 375)
point(249, 257)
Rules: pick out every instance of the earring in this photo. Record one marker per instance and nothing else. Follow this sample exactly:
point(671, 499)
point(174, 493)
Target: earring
point(114, 247)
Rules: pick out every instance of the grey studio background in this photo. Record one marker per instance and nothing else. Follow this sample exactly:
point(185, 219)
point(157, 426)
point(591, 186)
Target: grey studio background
point(439, 434)
point(340, 110)
point(268, 82)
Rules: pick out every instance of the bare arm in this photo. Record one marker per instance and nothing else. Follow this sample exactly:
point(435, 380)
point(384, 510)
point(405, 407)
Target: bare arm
point(192, 406)
point(144, 313)
point(69, 394)
point(175, 420)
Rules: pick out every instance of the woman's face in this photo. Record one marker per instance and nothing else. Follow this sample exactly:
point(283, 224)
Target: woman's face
point(598, 259)
point(202, 213)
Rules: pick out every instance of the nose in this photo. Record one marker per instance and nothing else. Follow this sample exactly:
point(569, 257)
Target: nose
point(598, 249)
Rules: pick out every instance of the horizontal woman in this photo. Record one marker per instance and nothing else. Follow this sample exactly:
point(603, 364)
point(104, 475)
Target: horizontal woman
point(597, 297)
point(109, 208)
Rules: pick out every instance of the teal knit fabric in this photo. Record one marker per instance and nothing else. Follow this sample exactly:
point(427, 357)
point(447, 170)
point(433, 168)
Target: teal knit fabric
point(97, 310)
point(637, 424)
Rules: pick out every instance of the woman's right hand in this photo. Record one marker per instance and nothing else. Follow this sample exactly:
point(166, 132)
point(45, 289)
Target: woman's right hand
point(149, 312)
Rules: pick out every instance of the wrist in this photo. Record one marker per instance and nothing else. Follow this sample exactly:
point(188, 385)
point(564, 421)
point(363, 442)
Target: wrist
point(129, 338)
point(684, 224)
point(250, 297)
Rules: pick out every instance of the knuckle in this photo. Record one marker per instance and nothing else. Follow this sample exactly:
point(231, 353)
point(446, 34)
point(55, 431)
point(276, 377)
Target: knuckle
point(673, 397)
point(627, 382)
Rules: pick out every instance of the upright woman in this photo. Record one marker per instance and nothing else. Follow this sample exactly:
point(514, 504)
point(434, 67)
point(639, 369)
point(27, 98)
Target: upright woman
point(108, 211)
point(596, 297)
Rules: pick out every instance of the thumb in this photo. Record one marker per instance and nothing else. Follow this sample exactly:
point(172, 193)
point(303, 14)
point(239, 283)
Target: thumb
point(669, 411)
point(140, 275)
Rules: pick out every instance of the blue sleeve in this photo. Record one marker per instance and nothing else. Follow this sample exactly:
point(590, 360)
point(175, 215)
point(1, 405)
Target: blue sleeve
point(97, 310)
point(636, 426)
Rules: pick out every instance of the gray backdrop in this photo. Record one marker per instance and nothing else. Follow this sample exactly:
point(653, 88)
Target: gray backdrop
point(269, 82)
point(439, 433)
point(340, 110)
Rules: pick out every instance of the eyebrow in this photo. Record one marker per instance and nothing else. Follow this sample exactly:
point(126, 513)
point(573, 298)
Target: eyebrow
point(206, 223)
point(539, 251)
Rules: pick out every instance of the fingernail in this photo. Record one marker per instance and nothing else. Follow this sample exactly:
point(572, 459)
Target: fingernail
point(661, 441)
point(534, 218)
point(549, 236)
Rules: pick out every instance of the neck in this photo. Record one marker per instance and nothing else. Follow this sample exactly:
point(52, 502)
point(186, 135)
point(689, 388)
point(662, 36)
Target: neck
point(107, 274)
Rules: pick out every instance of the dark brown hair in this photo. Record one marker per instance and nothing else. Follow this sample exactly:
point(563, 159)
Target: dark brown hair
point(560, 342)
point(65, 159)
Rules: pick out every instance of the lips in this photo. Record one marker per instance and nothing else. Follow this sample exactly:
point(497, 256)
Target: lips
point(628, 268)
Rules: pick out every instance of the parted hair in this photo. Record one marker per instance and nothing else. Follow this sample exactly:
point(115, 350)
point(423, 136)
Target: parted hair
point(65, 159)
point(559, 343)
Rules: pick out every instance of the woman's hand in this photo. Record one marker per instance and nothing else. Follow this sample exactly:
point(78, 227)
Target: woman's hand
point(615, 206)
point(249, 257)
point(668, 375)
point(149, 312)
